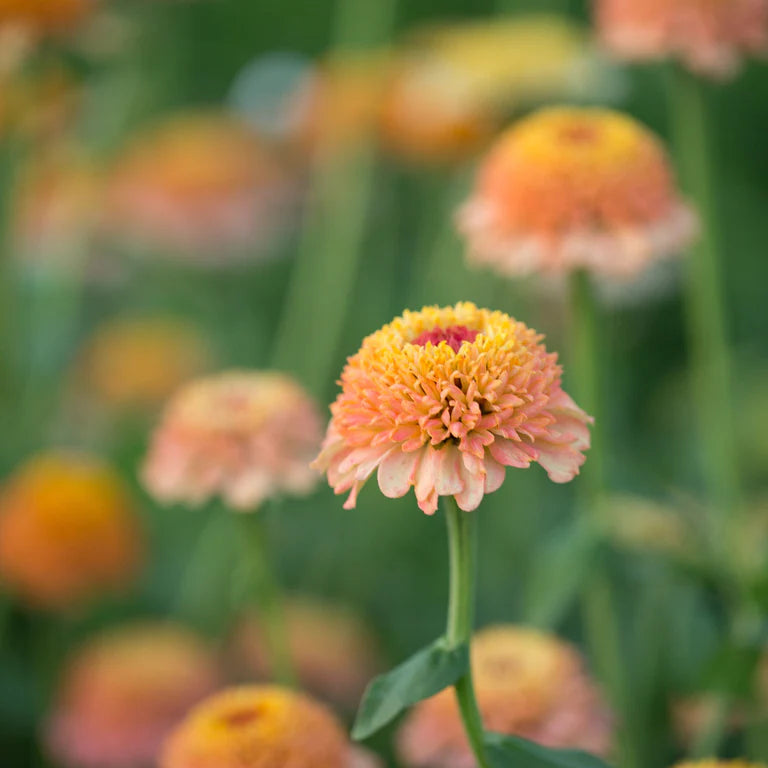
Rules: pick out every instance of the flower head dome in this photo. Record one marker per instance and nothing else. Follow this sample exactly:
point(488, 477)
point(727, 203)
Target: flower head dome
point(124, 691)
point(444, 400)
point(333, 650)
point(710, 36)
point(258, 727)
point(245, 435)
point(199, 185)
point(67, 530)
point(138, 362)
point(528, 684)
point(572, 189)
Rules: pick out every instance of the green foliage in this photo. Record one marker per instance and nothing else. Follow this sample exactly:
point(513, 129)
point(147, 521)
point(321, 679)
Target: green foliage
point(513, 752)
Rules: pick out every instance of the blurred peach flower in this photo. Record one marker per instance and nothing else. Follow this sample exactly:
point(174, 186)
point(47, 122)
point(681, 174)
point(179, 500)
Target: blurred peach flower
point(334, 652)
point(201, 185)
point(568, 189)
point(136, 363)
point(528, 684)
point(710, 37)
point(123, 692)
point(246, 435)
point(258, 727)
point(444, 400)
point(67, 530)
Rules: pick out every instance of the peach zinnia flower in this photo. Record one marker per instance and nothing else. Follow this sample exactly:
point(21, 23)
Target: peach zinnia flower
point(199, 185)
point(710, 36)
point(137, 363)
point(444, 400)
point(572, 189)
point(124, 691)
point(528, 684)
point(67, 530)
point(258, 727)
point(246, 435)
point(333, 650)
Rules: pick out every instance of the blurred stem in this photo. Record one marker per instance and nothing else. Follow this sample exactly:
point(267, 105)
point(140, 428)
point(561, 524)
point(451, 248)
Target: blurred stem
point(462, 543)
point(599, 607)
point(710, 356)
point(269, 599)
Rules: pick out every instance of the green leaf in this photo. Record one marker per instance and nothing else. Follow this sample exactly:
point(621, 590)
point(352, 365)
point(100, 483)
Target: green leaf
point(514, 752)
point(426, 673)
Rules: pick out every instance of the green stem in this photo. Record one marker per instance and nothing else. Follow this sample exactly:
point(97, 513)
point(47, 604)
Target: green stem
point(706, 317)
point(270, 604)
point(462, 542)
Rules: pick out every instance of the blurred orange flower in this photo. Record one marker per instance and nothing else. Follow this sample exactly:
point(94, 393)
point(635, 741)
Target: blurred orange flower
point(246, 435)
point(67, 530)
point(334, 652)
point(710, 37)
point(203, 186)
point(571, 189)
point(528, 684)
point(44, 15)
point(258, 727)
point(445, 400)
point(136, 363)
point(123, 692)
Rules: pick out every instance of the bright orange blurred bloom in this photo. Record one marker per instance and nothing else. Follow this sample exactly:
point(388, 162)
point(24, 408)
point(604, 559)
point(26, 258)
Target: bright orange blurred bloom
point(67, 531)
point(44, 15)
point(334, 652)
point(123, 692)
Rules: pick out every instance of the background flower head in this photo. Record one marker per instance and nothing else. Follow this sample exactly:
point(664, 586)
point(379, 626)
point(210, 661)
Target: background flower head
point(200, 185)
point(245, 435)
point(257, 727)
point(570, 188)
point(44, 15)
point(711, 37)
point(67, 530)
point(444, 400)
point(122, 693)
point(528, 684)
point(334, 652)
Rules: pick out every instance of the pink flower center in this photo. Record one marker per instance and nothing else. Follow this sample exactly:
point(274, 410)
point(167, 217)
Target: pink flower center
point(454, 336)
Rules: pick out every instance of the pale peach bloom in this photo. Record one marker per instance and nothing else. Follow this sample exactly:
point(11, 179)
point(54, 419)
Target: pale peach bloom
point(528, 684)
point(245, 435)
point(68, 530)
point(123, 692)
point(334, 652)
point(202, 186)
point(568, 189)
point(710, 36)
point(444, 400)
point(136, 363)
point(259, 727)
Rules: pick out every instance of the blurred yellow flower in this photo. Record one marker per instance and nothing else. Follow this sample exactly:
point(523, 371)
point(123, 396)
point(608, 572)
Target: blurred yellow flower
point(138, 362)
point(568, 189)
point(258, 727)
point(334, 652)
point(528, 684)
point(200, 185)
point(245, 435)
point(122, 693)
point(67, 530)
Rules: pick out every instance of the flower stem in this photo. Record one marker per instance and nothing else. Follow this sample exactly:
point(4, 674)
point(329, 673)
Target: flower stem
point(462, 543)
point(269, 600)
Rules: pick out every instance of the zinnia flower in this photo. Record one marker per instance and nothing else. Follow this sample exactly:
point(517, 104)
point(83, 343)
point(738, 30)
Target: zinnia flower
point(444, 400)
point(124, 691)
point(199, 185)
point(528, 684)
point(332, 649)
point(137, 363)
point(258, 727)
point(710, 37)
point(247, 436)
point(44, 16)
point(571, 189)
point(67, 530)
